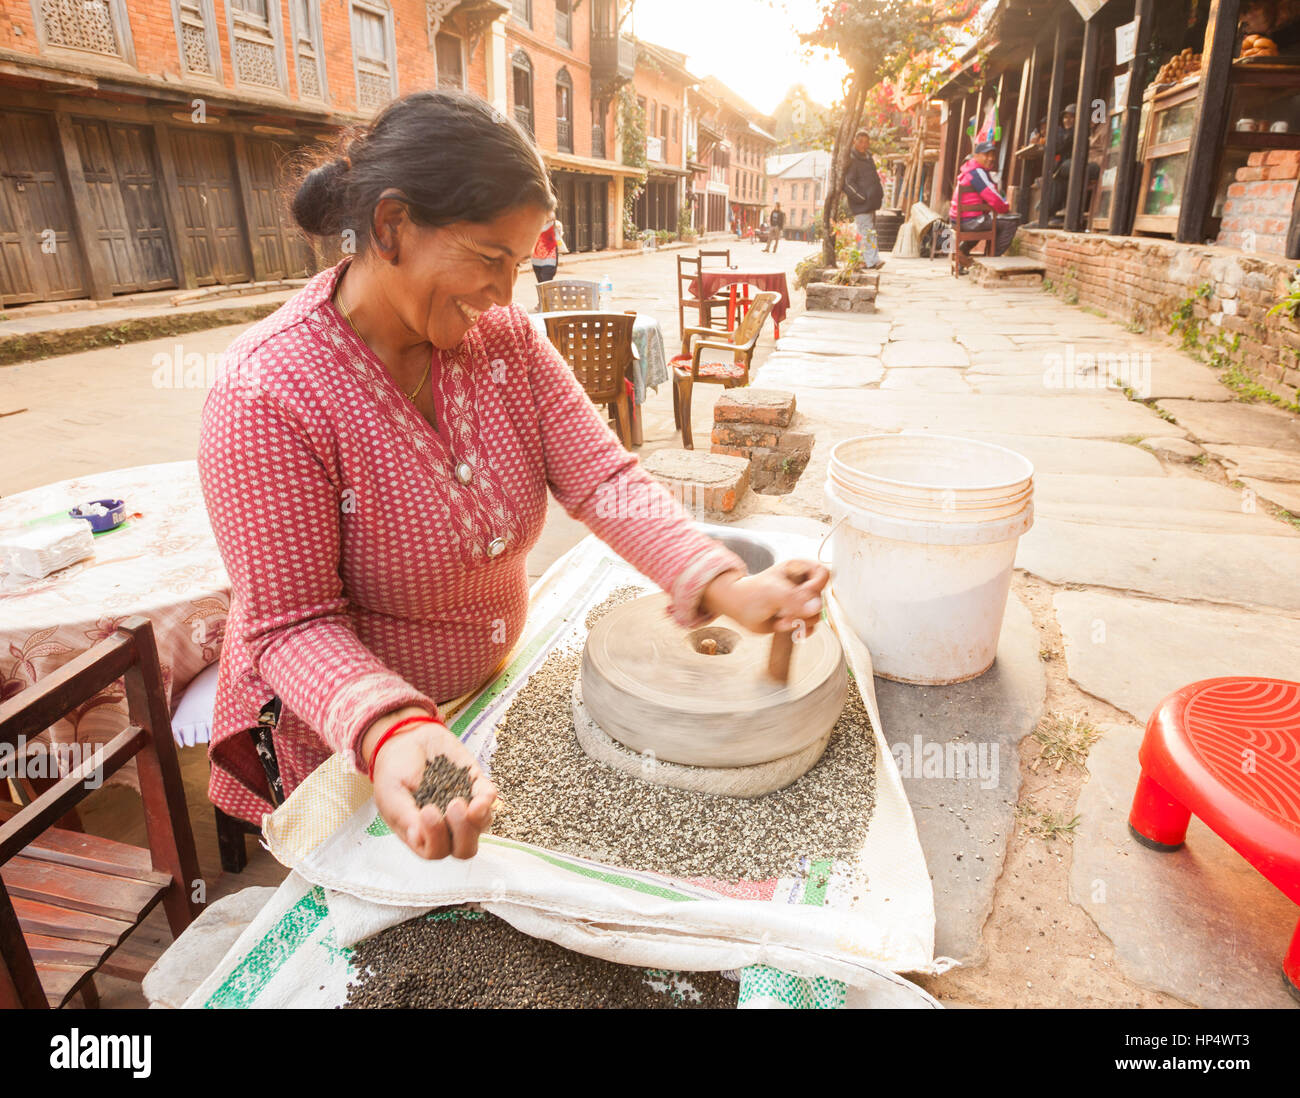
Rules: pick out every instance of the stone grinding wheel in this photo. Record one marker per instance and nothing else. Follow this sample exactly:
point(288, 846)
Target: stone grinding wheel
point(651, 686)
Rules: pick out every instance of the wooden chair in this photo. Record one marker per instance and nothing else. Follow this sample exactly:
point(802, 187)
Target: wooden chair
point(989, 236)
point(688, 275)
point(560, 295)
point(717, 253)
point(68, 899)
point(688, 369)
point(599, 348)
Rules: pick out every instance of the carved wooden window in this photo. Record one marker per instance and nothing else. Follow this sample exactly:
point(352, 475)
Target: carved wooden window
point(521, 79)
point(255, 47)
point(564, 111)
point(451, 61)
point(308, 56)
point(196, 37)
point(92, 26)
point(373, 53)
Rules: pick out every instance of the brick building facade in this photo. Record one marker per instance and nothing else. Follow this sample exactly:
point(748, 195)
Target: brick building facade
point(660, 85)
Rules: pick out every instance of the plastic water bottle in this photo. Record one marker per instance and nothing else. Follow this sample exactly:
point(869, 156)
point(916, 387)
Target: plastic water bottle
point(605, 300)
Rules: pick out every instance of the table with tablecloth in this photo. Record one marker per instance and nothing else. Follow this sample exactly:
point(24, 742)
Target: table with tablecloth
point(651, 369)
point(162, 564)
point(767, 279)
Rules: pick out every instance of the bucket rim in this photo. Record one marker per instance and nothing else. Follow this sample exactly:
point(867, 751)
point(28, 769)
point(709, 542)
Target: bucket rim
point(891, 436)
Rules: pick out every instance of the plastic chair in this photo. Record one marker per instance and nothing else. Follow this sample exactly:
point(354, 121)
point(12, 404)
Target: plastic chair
point(563, 294)
point(689, 369)
point(1228, 750)
point(68, 899)
point(599, 348)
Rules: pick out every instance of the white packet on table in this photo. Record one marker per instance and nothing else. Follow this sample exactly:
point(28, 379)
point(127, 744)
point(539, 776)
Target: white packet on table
point(36, 551)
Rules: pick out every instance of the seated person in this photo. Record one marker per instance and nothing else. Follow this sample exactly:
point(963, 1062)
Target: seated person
point(975, 196)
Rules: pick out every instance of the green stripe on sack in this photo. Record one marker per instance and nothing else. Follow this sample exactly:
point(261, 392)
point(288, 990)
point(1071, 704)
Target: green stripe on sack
point(795, 992)
point(620, 879)
point(819, 880)
point(247, 979)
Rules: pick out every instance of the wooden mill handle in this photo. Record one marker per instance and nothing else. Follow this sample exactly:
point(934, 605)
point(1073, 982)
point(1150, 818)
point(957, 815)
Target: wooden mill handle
point(778, 660)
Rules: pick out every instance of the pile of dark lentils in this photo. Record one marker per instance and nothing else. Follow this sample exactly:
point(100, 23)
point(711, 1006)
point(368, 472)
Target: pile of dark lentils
point(457, 957)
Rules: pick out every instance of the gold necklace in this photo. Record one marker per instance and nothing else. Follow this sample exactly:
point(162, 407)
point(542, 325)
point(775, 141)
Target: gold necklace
point(338, 300)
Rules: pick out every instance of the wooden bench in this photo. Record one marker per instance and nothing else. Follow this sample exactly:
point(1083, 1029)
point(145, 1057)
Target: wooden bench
point(68, 899)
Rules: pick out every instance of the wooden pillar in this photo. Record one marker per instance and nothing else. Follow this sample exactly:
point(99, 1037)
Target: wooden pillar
point(1055, 101)
point(1293, 230)
point(1032, 106)
point(1082, 125)
point(1210, 122)
point(1002, 146)
point(82, 210)
point(1129, 172)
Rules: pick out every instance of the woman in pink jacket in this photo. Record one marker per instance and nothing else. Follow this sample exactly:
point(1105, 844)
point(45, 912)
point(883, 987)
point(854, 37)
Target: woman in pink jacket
point(376, 460)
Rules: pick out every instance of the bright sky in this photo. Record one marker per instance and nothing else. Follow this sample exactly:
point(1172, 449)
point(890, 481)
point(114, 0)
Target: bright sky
point(752, 46)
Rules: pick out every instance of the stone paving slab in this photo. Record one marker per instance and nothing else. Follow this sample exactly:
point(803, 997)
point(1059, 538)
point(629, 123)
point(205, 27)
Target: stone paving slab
point(1199, 922)
point(925, 331)
point(964, 822)
point(984, 341)
point(1133, 652)
point(789, 369)
point(1249, 569)
point(1258, 461)
point(924, 352)
point(1286, 496)
point(928, 378)
point(847, 346)
point(1027, 384)
point(1101, 415)
point(1076, 455)
point(1175, 449)
point(1237, 424)
point(1175, 376)
point(1009, 363)
point(1160, 502)
point(868, 328)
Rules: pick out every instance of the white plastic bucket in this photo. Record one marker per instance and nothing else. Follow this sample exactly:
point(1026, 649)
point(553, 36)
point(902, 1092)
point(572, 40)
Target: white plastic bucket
point(924, 541)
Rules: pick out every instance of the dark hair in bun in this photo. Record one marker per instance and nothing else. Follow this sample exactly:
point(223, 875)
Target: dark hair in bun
point(451, 154)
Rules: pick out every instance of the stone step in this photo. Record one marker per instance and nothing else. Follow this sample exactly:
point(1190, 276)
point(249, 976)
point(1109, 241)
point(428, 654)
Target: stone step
point(703, 483)
point(1007, 270)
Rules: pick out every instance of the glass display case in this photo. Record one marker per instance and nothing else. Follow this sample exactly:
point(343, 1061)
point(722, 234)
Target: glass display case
point(1109, 173)
point(1263, 114)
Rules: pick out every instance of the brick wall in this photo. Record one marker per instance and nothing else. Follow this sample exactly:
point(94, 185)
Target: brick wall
point(1144, 280)
point(549, 56)
point(1257, 212)
point(660, 90)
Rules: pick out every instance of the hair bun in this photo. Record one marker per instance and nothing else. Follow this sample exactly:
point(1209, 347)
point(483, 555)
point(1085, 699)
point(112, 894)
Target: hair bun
point(319, 201)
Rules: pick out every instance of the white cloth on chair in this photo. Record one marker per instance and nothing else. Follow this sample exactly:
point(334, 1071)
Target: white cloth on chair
point(192, 722)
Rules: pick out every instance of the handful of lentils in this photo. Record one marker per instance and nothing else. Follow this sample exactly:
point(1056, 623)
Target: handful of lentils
point(442, 782)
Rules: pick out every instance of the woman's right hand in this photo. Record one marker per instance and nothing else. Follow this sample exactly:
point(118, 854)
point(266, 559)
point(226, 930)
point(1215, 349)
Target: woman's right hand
point(397, 775)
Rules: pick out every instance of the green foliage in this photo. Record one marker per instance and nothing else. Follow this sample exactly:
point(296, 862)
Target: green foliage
point(1183, 321)
point(631, 119)
point(684, 219)
point(1289, 306)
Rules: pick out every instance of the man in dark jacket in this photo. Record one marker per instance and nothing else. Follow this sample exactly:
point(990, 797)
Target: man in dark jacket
point(776, 225)
point(865, 194)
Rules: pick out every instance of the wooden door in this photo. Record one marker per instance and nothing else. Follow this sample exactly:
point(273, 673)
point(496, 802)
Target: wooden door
point(40, 259)
point(126, 217)
point(212, 226)
point(285, 253)
point(600, 214)
point(583, 217)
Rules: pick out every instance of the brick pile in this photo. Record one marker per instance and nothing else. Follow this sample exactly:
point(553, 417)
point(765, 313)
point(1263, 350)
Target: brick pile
point(1257, 212)
point(759, 425)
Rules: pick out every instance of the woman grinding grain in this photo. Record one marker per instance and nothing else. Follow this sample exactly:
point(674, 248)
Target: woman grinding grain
point(378, 470)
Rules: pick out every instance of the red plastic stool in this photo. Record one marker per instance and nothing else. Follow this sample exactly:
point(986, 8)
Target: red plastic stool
point(1229, 751)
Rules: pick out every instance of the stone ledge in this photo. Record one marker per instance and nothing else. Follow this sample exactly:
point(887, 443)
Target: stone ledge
point(773, 407)
point(831, 297)
point(701, 482)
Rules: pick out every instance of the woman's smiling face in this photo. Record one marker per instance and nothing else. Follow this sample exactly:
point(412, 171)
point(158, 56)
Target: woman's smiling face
point(446, 277)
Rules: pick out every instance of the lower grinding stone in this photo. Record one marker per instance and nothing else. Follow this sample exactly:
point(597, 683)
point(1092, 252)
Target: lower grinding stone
point(726, 781)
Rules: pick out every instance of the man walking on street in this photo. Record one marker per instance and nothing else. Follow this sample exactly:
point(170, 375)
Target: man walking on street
point(775, 226)
point(865, 194)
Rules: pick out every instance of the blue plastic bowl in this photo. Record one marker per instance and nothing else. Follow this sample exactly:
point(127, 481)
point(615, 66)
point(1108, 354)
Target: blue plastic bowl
point(101, 523)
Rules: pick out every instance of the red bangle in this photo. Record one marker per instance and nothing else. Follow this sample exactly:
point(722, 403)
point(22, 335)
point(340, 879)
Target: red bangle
point(405, 722)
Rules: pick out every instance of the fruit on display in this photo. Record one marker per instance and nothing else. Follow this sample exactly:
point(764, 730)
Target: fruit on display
point(1186, 63)
point(1257, 45)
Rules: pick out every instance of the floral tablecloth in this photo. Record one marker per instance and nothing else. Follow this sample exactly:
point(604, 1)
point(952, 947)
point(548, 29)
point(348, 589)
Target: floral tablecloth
point(651, 370)
point(162, 564)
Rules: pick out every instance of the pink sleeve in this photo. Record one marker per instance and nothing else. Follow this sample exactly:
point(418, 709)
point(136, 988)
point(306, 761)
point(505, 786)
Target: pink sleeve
point(275, 512)
point(602, 485)
point(995, 200)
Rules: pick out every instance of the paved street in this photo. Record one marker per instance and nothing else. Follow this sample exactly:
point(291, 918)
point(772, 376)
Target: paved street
point(1156, 558)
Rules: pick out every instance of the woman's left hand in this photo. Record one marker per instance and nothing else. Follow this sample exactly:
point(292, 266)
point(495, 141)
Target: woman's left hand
point(780, 599)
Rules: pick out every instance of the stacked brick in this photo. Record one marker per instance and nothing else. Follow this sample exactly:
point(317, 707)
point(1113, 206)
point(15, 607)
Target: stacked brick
point(758, 425)
point(1144, 280)
point(1258, 208)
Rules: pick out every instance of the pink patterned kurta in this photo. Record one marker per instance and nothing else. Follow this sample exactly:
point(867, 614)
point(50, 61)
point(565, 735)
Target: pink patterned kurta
point(364, 575)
